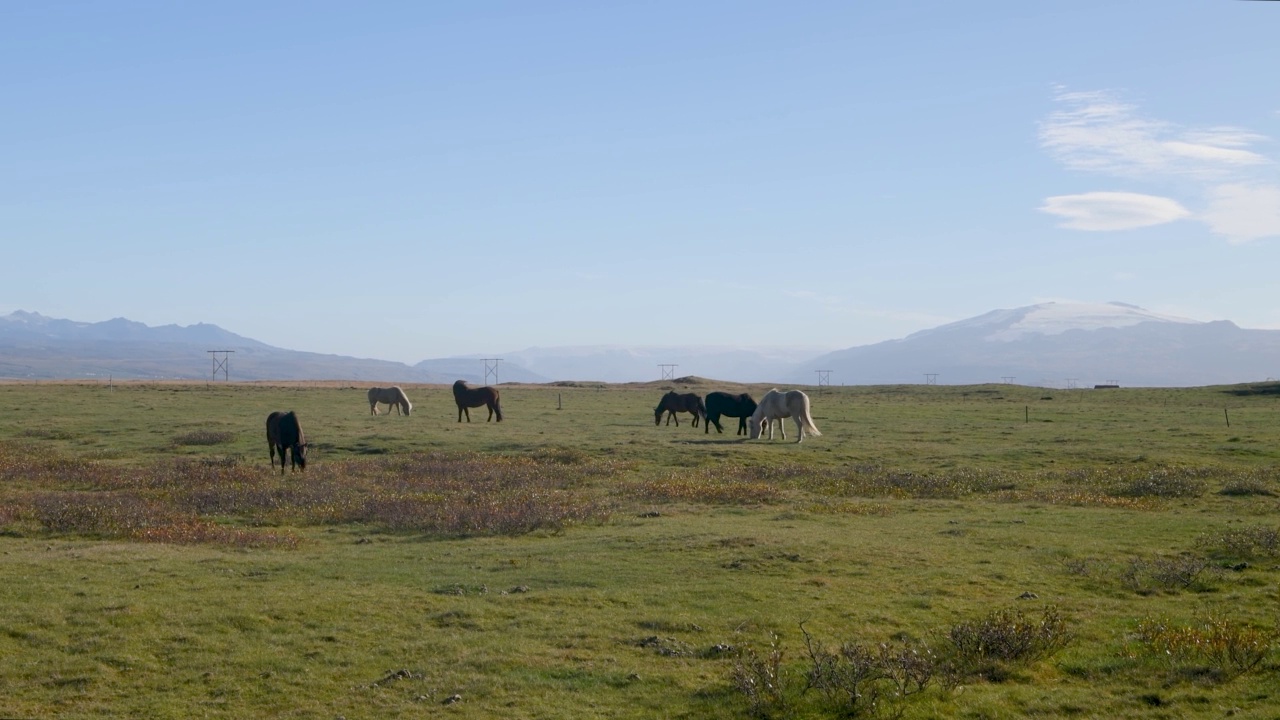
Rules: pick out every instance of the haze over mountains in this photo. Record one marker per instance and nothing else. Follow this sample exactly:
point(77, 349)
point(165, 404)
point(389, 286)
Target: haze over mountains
point(1050, 344)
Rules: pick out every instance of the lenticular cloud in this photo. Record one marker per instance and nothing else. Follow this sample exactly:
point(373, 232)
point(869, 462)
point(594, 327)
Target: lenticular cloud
point(1113, 210)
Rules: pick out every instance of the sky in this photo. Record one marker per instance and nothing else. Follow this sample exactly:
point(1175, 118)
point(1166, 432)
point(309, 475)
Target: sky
point(411, 180)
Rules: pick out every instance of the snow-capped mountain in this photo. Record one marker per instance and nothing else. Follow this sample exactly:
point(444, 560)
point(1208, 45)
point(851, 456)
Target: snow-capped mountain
point(1053, 318)
point(1057, 344)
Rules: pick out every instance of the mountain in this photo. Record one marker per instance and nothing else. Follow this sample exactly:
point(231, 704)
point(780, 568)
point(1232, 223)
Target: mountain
point(1062, 344)
point(612, 363)
point(36, 347)
point(1051, 344)
point(472, 369)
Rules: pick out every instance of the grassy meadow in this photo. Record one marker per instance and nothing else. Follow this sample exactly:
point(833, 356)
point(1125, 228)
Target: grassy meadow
point(992, 551)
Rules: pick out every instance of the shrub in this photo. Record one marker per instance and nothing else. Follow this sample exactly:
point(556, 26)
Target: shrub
point(1165, 482)
point(1242, 542)
point(759, 677)
point(1168, 573)
point(1003, 637)
point(1228, 647)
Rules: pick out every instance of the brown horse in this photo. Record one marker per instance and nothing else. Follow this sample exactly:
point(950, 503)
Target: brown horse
point(468, 397)
point(673, 403)
point(284, 432)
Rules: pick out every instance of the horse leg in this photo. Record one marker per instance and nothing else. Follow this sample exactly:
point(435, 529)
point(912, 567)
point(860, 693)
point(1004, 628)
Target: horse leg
point(799, 429)
point(490, 406)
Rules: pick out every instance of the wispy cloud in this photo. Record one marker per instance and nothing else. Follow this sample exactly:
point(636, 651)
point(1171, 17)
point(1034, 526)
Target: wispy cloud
point(1098, 132)
point(1113, 210)
point(1244, 212)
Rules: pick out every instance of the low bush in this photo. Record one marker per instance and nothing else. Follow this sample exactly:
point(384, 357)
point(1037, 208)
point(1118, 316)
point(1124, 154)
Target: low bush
point(1258, 540)
point(1227, 647)
point(861, 679)
point(984, 647)
point(1179, 572)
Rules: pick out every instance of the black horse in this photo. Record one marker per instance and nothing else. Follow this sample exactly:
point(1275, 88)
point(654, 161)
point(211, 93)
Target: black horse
point(722, 403)
point(673, 403)
point(469, 397)
point(284, 432)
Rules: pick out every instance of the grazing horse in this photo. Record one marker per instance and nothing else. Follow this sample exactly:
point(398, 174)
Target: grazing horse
point(468, 397)
point(722, 403)
point(391, 396)
point(777, 405)
point(284, 432)
point(673, 403)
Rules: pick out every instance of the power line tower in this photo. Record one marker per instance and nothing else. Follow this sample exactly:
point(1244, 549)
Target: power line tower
point(668, 371)
point(491, 370)
point(931, 378)
point(221, 360)
point(824, 378)
point(1008, 379)
point(1071, 383)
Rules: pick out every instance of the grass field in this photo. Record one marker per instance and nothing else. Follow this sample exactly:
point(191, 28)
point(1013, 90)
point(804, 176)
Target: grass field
point(940, 551)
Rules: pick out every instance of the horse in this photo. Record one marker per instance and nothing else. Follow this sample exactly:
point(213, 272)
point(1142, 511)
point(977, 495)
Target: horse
point(777, 405)
point(468, 397)
point(391, 396)
point(285, 432)
point(673, 403)
point(722, 403)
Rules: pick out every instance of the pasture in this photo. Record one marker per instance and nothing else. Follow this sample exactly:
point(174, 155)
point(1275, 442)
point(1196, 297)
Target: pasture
point(577, 561)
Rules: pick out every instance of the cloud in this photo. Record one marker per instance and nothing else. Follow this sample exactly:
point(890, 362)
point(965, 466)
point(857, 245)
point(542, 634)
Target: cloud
point(1243, 213)
point(1097, 132)
point(1113, 210)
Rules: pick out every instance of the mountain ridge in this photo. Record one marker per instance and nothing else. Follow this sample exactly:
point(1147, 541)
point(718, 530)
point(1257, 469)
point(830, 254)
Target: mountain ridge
point(1051, 344)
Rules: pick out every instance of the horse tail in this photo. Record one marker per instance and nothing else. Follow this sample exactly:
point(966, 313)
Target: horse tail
point(497, 407)
point(809, 427)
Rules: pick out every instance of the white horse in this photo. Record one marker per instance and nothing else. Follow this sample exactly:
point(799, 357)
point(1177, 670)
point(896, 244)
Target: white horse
point(777, 405)
point(391, 396)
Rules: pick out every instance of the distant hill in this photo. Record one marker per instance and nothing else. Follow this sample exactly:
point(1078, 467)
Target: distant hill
point(36, 347)
point(472, 370)
point(618, 364)
point(1056, 344)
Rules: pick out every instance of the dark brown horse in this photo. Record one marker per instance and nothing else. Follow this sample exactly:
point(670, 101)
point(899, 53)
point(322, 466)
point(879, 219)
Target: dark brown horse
point(284, 432)
point(674, 402)
point(469, 397)
point(722, 403)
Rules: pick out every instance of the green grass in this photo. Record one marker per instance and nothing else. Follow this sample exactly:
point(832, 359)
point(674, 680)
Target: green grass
point(584, 563)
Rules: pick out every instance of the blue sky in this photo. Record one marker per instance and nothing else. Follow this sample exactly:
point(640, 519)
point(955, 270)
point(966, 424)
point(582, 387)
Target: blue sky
point(414, 180)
